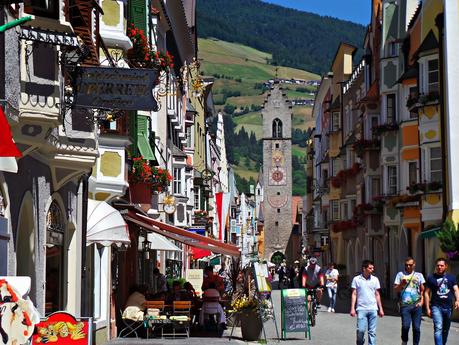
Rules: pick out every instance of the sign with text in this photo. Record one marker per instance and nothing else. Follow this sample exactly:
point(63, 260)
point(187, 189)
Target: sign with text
point(115, 88)
point(294, 311)
point(261, 277)
point(195, 277)
point(64, 329)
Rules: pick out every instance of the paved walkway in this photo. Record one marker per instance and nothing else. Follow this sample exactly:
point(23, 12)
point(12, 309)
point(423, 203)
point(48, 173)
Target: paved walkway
point(331, 329)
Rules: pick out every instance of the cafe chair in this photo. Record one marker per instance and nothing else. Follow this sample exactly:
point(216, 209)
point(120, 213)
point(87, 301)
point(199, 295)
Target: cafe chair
point(154, 305)
point(132, 319)
point(181, 316)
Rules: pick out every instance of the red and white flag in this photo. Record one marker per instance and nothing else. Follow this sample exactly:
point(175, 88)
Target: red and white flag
point(7, 146)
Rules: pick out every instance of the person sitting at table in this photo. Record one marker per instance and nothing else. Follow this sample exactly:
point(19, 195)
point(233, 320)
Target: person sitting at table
point(189, 293)
point(137, 297)
point(212, 278)
point(211, 305)
point(176, 293)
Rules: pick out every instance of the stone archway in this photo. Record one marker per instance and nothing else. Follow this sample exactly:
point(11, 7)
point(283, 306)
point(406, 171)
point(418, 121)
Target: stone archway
point(277, 258)
point(350, 260)
point(26, 247)
point(402, 249)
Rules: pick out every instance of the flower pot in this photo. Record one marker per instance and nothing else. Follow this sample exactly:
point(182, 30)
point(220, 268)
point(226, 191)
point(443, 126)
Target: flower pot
point(140, 193)
point(251, 326)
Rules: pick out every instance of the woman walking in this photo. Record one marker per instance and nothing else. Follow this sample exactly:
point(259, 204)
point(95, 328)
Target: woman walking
point(331, 277)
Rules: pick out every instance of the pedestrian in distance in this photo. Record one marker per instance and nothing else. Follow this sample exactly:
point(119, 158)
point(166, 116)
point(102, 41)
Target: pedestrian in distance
point(409, 285)
point(331, 283)
point(441, 287)
point(366, 303)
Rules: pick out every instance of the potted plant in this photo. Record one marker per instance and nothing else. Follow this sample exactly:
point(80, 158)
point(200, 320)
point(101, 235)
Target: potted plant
point(449, 239)
point(144, 180)
point(249, 314)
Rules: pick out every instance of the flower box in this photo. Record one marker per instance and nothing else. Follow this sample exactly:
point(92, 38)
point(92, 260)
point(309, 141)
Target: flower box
point(140, 192)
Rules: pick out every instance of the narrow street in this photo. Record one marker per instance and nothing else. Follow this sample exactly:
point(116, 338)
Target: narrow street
point(338, 328)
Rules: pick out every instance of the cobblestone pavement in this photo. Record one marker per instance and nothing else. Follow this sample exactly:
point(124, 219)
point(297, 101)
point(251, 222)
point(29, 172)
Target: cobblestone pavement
point(332, 329)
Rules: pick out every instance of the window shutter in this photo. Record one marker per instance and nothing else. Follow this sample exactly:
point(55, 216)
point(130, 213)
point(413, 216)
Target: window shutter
point(133, 132)
point(143, 141)
point(138, 14)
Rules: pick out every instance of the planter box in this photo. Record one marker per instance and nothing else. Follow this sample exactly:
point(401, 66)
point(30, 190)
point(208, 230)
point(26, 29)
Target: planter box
point(140, 193)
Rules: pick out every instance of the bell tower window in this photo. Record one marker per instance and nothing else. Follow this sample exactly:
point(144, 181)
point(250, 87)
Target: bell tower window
point(277, 128)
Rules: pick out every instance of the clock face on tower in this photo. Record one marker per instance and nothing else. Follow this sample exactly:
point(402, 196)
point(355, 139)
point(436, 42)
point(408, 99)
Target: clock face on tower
point(277, 177)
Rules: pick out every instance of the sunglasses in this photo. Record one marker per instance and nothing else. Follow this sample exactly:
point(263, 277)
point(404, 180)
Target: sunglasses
point(409, 265)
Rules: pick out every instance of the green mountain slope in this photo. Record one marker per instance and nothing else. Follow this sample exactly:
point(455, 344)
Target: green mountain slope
point(239, 72)
point(294, 38)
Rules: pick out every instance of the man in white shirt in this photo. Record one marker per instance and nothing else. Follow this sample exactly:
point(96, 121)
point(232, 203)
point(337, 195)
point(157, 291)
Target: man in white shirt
point(409, 284)
point(366, 303)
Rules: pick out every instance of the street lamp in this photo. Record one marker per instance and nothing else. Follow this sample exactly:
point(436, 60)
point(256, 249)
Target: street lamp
point(146, 246)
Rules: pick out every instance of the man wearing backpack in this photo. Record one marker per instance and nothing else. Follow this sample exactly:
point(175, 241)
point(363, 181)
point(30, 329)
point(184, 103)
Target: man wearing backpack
point(409, 284)
point(440, 289)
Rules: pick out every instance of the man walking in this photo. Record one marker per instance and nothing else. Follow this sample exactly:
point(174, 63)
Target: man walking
point(409, 284)
point(438, 296)
point(366, 303)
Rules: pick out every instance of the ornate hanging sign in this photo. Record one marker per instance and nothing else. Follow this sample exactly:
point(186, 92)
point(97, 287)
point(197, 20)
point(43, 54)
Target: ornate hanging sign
point(50, 37)
point(115, 88)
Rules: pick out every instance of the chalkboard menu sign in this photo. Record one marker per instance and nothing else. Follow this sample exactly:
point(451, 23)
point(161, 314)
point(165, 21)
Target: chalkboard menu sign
point(294, 311)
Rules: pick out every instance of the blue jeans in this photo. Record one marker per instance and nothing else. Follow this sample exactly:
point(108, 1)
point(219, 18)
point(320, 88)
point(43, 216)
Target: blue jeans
point(332, 297)
point(441, 317)
point(366, 320)
point(411, 315)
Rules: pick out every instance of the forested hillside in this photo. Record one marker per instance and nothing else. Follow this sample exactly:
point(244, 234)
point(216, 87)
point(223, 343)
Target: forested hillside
point(294, 38)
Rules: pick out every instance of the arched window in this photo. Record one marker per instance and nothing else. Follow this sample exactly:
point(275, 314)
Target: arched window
point(277, 128)
point(55, 228)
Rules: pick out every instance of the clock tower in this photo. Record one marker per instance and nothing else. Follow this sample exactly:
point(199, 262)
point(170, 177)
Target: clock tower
point(277, 172)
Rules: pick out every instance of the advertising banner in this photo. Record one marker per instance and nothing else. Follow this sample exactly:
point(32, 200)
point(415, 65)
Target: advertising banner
point(64, 329)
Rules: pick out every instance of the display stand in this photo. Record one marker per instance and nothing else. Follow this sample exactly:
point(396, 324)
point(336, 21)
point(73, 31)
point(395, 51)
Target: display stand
point(262, 286)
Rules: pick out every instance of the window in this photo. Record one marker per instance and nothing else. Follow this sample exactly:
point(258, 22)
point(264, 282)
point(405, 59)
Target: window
point(277, 128)
point(189, 137)
point(412, 173)
point(335, 209)
point(435, 164)
point(177, 181)
point(375, 187)
point(413, 94)
point(197, 203)
point(390, 108)
point(335, 122)
point(432, 76)
point(392, 180)
point(344, 211)
point(42, 8)
point(335, 166)
point(373, 124)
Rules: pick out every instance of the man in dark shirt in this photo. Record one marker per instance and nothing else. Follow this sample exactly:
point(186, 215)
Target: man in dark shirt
point(439, 292)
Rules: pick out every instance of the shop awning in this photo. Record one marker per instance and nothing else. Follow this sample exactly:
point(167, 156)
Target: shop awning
point(199, 253)
point(182, 235)
point(159, 242)
point(106, 225)
point(430, 233)
point(8, 164)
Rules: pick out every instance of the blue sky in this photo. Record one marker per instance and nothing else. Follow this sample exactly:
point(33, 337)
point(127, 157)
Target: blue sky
point(357, 11)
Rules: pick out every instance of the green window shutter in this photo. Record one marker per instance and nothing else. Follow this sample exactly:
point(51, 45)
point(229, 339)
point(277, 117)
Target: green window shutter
point(143, 140)
point(138, 14)
point(133, 132)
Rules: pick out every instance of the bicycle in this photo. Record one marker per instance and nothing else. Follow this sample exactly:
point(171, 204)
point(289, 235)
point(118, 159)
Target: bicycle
point(312, 305)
